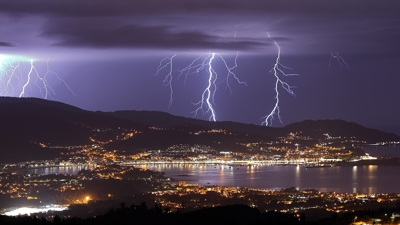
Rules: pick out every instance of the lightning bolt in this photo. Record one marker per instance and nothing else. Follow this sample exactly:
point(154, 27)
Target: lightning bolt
point(195, 67)
point(339, 60)
point(28, 80)
point(168, 78)
point(58, 78)
point(277, 71)
point(208, 94)
point(13, 80)
point(8, 73)
point(230, 73)
point(203, 62)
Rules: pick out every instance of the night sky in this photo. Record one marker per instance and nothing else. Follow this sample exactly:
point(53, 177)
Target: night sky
point(108, 52)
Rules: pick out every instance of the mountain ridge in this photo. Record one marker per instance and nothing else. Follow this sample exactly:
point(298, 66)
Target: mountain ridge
point(173, 120)
point(26, 123)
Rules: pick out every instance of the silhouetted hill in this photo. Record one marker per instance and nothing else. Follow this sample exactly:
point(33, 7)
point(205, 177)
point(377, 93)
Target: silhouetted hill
point(339, 128)
point(154, 118)
point(162, 139)
point(314, 129)
point(43, 102)
point(26, 122)
point(162, 119)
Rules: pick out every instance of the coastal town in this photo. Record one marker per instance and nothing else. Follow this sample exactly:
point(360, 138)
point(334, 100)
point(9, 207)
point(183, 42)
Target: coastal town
point(91, 174)
point(287, 150)
point(111, 184)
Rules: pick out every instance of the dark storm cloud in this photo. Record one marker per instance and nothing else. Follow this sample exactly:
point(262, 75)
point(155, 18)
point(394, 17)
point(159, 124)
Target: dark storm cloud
point(386, 36)
point(106, 34)
point(344, 33)
point(6, 44)
point(146, 20)
point(88, 8)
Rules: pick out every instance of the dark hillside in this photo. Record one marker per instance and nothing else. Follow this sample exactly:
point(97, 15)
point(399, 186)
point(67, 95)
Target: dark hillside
point(24, 124)
point(336, 128)
point(27, 122)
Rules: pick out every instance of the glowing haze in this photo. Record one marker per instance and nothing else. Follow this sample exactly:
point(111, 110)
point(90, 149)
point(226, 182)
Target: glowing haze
point(107, 52)
point(18, 74)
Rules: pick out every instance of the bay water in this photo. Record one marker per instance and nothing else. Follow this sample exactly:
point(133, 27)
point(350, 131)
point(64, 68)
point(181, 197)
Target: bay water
point(344, 179)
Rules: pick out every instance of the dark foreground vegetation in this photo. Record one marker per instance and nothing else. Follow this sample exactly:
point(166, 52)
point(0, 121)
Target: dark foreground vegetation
point(224, 215)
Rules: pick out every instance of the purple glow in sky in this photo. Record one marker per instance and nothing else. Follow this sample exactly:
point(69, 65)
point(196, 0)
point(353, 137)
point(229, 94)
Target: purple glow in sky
point(107, 51)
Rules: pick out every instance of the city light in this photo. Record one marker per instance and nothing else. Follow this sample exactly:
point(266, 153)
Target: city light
point(33, 210)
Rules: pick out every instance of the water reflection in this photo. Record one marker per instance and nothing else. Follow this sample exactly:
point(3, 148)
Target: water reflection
point(298, 177)
point(354, 181)
point(252, 179)
point(372, 171)
point(372, 179)
point(391, 150)
point(59, 170)
point(221, 177)
point(367, 179)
